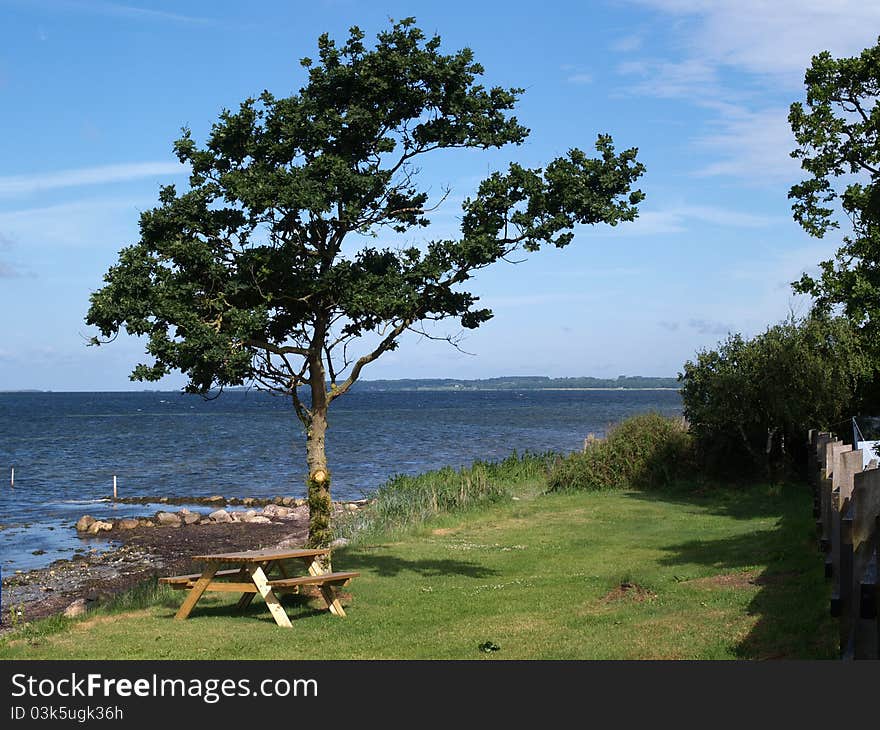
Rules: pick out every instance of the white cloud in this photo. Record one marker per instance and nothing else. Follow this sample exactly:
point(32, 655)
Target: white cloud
point(777, 38)
point(8, 271)
point(81, 223)
point(679, 218)
point(580, 78)
point(118, 10)
point(26, 184)
point(692, 78)
point(752, 144)
point(627, 43)
point(709, 327)
point(767, 46)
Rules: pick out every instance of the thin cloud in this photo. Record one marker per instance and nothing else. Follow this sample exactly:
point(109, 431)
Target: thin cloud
point(768, 46)
point(80, 223)
point(27, 184)
point(681, 218)
point(136, 13)
point(580, 78)
point(751, 144)
point(771, 38)
point(627, 44)
point(118, 10)
point(709, 327)
point(7, 270)
point(693, 79)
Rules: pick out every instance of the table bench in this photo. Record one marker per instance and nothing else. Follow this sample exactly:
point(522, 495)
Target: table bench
point(252, 572)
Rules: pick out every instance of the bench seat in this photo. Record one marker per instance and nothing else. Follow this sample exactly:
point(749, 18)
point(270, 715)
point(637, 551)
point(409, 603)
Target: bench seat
point(182, 581)
point(313, 580)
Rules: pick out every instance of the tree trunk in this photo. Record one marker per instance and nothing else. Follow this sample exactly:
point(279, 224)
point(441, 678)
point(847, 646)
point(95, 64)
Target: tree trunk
point(316, 458)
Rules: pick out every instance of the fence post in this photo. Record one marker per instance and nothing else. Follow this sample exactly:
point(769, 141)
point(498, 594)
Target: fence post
point(866, 541)
point(845, 588)
point(846, 464)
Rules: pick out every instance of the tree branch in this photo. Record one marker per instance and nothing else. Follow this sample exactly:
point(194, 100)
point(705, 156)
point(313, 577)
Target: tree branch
point(277, 349)
point(383, 346)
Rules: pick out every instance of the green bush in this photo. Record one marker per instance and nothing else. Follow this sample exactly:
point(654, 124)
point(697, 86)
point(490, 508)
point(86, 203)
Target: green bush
point(750, 402)
point(642, 452)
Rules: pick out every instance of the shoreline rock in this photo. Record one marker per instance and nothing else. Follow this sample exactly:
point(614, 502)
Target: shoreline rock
point(274, 510)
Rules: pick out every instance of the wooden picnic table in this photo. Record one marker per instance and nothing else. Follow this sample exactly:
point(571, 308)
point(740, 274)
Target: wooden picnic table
point(251, 575)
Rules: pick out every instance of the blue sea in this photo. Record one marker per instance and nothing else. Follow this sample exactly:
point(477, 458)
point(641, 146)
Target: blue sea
point(66, 447)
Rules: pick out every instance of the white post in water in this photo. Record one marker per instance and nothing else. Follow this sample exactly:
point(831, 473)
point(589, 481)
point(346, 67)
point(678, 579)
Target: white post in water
point(114, 487)
point(12, 478)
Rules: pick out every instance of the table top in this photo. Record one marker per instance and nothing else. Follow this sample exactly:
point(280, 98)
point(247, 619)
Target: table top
point(260, 556)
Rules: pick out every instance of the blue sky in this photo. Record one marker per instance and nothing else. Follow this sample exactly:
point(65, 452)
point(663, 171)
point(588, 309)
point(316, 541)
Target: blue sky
point(93, 94)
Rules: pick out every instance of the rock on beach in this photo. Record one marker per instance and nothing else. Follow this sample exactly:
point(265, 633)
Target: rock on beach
point(84, 523)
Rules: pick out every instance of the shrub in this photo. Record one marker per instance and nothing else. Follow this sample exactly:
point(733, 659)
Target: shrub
point(642, 452)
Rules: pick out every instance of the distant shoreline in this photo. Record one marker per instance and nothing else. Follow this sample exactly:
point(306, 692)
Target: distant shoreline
point(425, 389)
point(525, 389)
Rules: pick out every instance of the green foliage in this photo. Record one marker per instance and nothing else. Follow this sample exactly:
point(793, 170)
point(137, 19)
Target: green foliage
point(643, 452)
point(838, 136)
point(750, 403)
point(245, 276)
point(407, 501)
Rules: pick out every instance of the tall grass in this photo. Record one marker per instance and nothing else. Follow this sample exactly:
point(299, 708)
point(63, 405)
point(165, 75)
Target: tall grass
point(405, 501)
point(642, 452)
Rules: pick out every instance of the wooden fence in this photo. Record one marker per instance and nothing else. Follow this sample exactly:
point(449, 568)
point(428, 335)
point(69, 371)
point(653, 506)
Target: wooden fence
point(846, 505)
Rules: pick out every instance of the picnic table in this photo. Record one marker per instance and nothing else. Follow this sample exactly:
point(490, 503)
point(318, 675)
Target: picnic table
point(252, 573)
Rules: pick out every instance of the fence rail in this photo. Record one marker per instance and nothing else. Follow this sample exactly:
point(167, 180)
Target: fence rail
point(846, 505)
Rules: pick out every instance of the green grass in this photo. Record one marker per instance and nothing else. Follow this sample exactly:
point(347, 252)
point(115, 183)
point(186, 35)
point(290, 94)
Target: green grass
point(718, 574)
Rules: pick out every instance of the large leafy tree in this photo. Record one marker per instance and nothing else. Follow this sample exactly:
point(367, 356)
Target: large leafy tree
point(838, 134)
point(260, 272)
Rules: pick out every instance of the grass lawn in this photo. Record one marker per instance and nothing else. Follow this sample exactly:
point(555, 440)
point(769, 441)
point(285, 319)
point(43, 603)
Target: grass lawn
point(720, 574)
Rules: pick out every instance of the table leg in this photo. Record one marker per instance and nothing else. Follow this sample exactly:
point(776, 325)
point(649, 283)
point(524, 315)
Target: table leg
point(246, 598)
point(277, 610)
point(332, 601)
point(313, 565)
point(196, 592)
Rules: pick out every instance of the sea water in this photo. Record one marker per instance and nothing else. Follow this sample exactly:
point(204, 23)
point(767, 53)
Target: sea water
point(66, 447)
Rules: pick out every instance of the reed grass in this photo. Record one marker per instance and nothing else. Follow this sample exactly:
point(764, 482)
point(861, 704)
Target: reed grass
point(405, 501)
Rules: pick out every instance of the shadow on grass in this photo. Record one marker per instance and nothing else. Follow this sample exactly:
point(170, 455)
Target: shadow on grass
point(296, 607)
point(741, 503)
point(791, 604)
point(387, 566)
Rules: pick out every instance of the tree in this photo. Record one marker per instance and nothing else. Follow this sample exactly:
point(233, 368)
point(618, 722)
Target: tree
point(750, 403)
point(250, 275)
point(838, 136)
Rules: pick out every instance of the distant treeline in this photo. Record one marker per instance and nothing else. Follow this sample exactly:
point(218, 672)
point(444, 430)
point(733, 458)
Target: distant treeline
point(527, 382)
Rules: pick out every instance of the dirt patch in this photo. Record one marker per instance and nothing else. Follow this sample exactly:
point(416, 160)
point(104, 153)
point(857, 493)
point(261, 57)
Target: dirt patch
point(443, 531)
point(628, 592)
point(90, 623)
point(743, 580)
point(726, 580)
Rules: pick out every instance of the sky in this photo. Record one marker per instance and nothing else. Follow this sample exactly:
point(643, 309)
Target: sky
point(93, 93)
